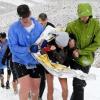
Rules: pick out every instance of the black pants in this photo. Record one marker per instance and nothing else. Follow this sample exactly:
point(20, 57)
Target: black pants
point(42, 83)
point(13, 70)
point(8, 67)
point(78, 85)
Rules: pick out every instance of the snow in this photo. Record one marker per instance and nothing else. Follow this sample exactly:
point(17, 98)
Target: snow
point(59, 12)
point(92, 89)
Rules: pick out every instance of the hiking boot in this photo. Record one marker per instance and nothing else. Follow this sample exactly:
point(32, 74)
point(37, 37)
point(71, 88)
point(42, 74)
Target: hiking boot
point(2, 85)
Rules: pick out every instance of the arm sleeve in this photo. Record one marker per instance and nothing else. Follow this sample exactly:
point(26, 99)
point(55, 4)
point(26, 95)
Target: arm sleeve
point(95, 43)
point(13, 43)
point(69, 31)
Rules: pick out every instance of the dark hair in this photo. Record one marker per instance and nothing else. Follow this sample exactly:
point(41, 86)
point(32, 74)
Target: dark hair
point(43, 16)
point(23, 11)
point(72, 36)
point(3, 35)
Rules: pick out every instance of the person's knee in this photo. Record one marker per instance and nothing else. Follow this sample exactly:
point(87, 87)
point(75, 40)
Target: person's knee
point(24, 83)
point(24, 91)
point(35, 92)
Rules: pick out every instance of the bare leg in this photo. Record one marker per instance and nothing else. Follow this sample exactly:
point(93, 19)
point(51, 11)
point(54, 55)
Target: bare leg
point(25, 86)
point(64, 87)
point(14, 84)
point(35, 85)
point(50, 86)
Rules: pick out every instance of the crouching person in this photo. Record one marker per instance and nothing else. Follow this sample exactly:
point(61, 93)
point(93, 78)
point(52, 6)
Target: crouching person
point(22, 36)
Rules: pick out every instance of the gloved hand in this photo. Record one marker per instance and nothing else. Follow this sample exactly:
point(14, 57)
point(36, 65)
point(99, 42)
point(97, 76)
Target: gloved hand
point(44, 44)
point(34, 48)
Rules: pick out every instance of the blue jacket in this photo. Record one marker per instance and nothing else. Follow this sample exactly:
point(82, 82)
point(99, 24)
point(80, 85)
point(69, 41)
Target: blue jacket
point(20, 41)
point(3, 47)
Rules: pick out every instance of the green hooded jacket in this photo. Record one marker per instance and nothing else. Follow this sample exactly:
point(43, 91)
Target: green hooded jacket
point(87, 35)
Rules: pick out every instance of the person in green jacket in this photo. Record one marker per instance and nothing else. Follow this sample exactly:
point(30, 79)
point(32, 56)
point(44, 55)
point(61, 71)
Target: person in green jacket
point(86, 33)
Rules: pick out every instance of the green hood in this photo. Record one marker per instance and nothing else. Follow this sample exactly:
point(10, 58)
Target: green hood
point(84, 9)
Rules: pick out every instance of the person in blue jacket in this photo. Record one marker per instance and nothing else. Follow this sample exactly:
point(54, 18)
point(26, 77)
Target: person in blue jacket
point(3, 46)
point(22, 36)
point(5, 57)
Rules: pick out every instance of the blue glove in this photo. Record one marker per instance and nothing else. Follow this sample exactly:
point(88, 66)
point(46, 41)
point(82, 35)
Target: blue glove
point(34, 48)
point(44, 44)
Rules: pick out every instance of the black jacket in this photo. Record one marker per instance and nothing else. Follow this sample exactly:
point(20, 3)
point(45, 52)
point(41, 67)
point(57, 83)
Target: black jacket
point(58, 55)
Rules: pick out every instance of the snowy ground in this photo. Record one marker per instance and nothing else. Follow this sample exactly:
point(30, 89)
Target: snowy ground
point(59, 12)
point(92, 89)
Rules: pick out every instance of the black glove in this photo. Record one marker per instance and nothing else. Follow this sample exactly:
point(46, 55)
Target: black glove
point(44, 44)
point(34, 48)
